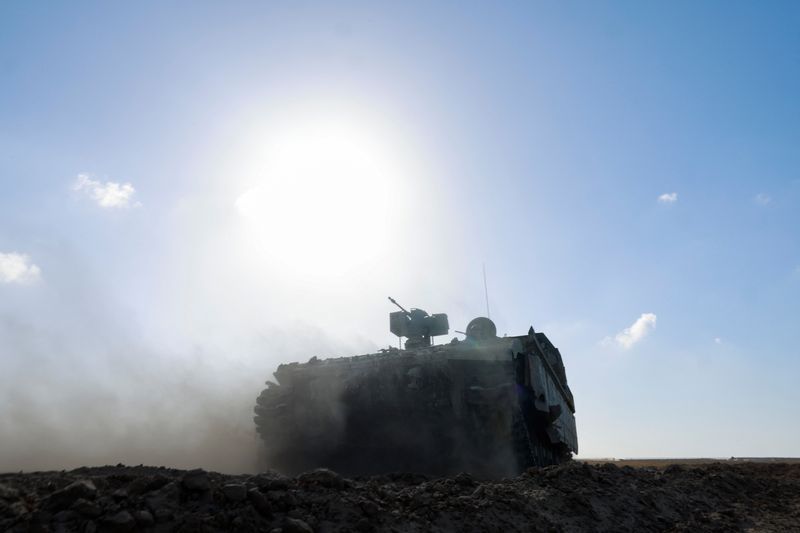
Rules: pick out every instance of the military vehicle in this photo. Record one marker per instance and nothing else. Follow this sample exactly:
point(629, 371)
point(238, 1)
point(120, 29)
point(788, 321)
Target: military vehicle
point(492, 406)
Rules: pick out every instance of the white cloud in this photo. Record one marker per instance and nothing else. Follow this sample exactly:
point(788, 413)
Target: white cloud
point(762, 199)
point(717, 340)
point(17, 268)
point(668, 198)
point(639, 330)
point(109, 194)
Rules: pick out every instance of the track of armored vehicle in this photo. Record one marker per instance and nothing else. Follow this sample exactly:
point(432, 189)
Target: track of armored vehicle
point(487, 405)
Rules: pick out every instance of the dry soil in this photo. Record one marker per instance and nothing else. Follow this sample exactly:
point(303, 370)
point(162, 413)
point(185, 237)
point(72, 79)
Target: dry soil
point(726, 496)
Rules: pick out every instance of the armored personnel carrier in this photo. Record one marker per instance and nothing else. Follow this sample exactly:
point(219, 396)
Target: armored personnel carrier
point(488, 405)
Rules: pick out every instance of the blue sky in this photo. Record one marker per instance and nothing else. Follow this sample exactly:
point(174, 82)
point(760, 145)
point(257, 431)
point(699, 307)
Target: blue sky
point(614, 165)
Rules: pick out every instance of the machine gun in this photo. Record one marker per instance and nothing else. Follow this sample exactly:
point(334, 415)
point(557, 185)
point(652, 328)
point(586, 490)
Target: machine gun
point(417, 325)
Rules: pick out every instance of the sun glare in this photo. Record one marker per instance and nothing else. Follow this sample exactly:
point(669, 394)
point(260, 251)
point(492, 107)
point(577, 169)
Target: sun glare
point(321, 206)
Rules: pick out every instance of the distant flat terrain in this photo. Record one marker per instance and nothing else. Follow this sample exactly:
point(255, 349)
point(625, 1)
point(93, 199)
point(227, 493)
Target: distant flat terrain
point(663, 463)
point(574, 497)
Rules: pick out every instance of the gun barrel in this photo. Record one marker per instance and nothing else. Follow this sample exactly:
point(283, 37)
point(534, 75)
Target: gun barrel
point(403, 309)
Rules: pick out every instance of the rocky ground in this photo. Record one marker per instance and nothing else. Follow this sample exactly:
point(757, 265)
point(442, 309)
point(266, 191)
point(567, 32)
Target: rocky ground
point(572, 497)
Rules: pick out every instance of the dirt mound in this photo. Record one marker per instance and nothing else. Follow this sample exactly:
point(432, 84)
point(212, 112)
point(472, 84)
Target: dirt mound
point(571, 497)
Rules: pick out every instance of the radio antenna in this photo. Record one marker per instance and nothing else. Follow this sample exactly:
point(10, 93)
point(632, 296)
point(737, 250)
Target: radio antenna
point(486, 292)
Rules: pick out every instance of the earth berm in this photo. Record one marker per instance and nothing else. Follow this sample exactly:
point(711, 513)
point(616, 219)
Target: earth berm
point(571, 497)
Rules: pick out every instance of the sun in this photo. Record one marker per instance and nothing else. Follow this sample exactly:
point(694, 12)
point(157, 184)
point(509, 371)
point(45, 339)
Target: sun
point(323, 203)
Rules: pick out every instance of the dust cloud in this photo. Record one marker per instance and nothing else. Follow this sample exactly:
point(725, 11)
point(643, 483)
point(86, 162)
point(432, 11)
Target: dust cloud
point(154, 352)
point(69, 399)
